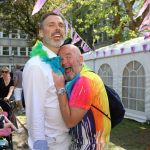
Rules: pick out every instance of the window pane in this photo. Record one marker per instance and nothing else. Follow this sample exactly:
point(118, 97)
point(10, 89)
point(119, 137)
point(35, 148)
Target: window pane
point(22, 51)
point(126, 72)
point(23, 35)
point(132, 104)
point(14, 34)
point(125, 81)
point(15, 51)
point(5, 34)
point(5, 50)
point(125, 102)
point(133, 93)
point(133, 81)
point(136, 65)
point(125, 92)
point(141, 71)
point(140, 94)
point(141, 82)
point(140, 106)
point(130, 66)
point(29, 50)
point(106, 74)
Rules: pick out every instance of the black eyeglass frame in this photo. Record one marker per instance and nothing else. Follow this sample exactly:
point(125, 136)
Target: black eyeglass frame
point(5, 71)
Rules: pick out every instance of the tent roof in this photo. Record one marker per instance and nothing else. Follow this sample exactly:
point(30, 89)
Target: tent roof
point(132, 46)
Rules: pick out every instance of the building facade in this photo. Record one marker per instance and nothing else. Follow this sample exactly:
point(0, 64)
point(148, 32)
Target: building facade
point(14, 48)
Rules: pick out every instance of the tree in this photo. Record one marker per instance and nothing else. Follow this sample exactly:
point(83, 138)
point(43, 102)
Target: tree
point(112, 17)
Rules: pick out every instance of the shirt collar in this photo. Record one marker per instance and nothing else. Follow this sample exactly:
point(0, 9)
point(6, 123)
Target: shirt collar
point(85, 68)
point(50, 53)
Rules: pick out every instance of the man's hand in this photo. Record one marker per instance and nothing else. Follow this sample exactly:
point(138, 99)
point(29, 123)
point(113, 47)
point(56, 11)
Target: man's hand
point(58, 80)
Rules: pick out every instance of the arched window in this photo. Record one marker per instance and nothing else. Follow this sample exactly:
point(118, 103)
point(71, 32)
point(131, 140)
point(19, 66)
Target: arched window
point(105, 72)
point(133, 86)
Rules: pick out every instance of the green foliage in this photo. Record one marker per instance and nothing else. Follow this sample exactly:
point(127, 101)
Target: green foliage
point(90, 18)
point(93, 17)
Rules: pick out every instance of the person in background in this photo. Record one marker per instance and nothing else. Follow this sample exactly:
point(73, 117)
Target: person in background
point(17, 76)
point(46, 128)
point(6, 84)
point(23, 102)
point(6, 123)
point(0, 73)
point(89, 128)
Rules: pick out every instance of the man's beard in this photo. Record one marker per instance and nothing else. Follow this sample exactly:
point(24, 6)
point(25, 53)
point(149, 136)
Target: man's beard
point(52, 42)
point(69, 77)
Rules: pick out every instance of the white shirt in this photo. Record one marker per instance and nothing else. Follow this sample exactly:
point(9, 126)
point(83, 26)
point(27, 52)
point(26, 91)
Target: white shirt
point(44, 119)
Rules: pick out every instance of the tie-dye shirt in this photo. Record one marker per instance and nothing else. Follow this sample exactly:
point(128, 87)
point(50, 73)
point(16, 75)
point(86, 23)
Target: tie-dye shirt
point(93, 131)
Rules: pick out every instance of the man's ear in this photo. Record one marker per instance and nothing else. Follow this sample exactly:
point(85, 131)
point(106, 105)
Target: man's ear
point(81, 59)
point(41, 33)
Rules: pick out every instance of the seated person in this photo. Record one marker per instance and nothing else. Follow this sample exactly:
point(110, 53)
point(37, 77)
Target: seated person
point(5, 122)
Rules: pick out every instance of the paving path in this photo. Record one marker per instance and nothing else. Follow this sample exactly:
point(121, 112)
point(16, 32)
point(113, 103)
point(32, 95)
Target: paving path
point(20, 139)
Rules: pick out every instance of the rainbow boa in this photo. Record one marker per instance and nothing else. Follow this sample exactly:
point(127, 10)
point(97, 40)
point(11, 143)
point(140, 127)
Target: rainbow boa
point(54, 62)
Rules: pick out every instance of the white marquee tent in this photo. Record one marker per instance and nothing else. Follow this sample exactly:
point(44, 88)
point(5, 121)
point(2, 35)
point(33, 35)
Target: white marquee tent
point(126, 68)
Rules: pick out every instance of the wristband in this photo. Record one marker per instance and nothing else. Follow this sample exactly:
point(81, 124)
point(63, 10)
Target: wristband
point(61, 91)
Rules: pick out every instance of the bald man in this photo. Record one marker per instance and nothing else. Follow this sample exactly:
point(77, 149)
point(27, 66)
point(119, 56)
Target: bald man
point(89, 128)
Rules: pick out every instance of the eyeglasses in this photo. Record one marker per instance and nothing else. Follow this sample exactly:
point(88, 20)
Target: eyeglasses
point(4, 71)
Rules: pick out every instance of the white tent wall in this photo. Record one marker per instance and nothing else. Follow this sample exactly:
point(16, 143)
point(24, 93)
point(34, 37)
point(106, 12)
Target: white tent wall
point(118, 62)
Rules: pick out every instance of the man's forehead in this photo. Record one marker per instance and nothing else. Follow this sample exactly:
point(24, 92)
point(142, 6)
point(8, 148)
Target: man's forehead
point(54, 18)
point(65, 53)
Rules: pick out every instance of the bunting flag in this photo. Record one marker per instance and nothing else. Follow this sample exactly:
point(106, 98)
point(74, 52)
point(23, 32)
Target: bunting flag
point(39, 4)
point(71, 31)
point(145, 26)
point(56, 11)
point(143, 8)
point(82, 43)
point(76, 38)
point(67, 26)
point(146, 23)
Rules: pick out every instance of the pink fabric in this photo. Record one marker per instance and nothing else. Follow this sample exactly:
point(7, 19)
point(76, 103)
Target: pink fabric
point(5, 132)
point(81, 95)
point(4, 113)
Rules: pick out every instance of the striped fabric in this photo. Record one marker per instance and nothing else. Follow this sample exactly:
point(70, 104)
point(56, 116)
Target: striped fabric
point(92, 132)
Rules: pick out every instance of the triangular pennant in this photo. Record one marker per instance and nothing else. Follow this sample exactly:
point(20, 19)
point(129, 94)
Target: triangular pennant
point(38, 6)
point(76, 38)
point(56, 11)
point(66, 25)
point(143, 8)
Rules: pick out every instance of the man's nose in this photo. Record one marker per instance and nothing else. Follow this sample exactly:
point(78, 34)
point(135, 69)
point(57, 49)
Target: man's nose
point(64, 62)
point(57, 27)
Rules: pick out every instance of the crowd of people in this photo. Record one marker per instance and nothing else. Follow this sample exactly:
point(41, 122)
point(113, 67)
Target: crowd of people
point(11, 86)
point(8, 99)
point(59, 91)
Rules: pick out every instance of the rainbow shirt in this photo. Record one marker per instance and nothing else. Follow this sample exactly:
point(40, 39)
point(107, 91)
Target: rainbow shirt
point(93, 131)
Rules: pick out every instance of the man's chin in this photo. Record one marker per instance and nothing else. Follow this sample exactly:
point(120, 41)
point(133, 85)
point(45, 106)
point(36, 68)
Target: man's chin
point(69, 77)
point(58, 43)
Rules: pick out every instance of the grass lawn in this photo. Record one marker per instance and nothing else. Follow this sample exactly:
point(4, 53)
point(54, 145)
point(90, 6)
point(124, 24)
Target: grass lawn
point(130, 135)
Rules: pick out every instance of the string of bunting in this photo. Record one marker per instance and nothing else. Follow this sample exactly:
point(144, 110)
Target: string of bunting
point(140, 46)
point(73, 34)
